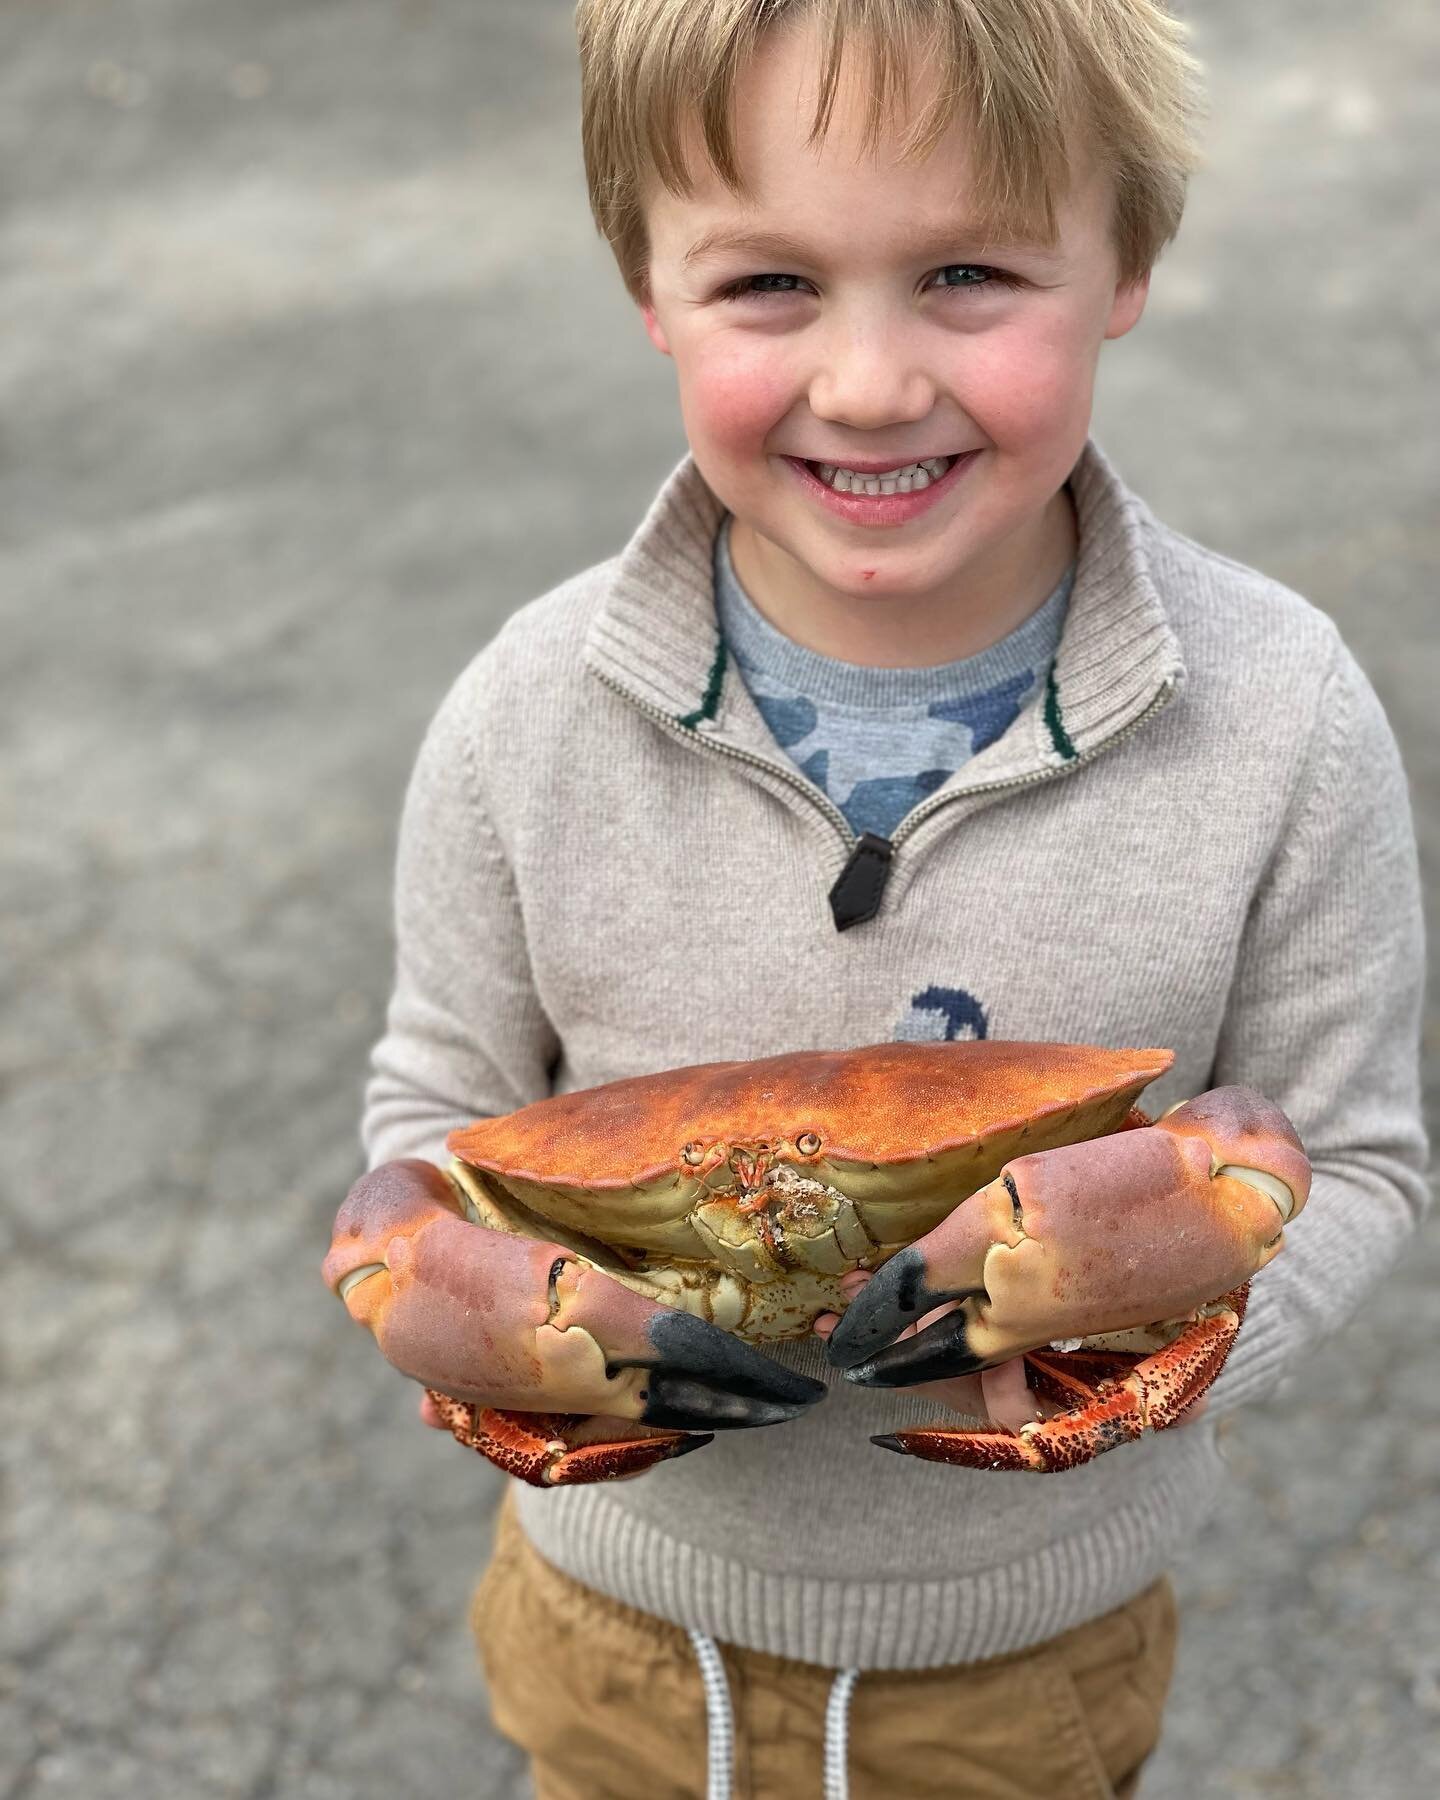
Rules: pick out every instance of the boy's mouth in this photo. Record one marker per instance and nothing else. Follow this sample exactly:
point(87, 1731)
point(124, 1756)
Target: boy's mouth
point(880, 500)
point(902, 479)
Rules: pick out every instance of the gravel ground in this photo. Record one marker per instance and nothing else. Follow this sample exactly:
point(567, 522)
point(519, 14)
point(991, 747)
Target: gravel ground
point(298, 300)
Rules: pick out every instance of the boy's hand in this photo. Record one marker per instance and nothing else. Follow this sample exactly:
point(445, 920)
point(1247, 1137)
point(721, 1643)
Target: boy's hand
point(499, 1327)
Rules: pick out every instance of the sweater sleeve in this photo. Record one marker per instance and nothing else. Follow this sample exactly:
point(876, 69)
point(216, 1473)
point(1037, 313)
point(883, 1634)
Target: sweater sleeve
point(466, 1035)
point(1324, 1019)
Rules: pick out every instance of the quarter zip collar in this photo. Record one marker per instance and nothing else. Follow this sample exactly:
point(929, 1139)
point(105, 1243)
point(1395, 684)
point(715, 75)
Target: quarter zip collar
point(655, 635)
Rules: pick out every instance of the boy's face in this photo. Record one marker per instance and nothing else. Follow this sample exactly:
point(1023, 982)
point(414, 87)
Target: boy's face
point(884, 341)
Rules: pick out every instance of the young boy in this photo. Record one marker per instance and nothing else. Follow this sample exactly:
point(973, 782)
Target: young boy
point(821, 760)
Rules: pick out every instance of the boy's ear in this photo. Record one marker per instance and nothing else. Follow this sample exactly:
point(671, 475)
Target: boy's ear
point(1128, 305)
point(654, 330)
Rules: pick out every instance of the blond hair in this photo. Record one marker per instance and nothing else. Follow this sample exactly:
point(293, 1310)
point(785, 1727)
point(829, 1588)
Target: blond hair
point(1030, 72)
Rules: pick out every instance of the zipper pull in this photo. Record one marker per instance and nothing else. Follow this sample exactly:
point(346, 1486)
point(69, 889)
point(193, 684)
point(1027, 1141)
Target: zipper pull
point(855, 896)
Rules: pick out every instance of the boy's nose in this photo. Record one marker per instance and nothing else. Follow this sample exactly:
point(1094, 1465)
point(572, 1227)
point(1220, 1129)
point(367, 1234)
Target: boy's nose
point(870, 379)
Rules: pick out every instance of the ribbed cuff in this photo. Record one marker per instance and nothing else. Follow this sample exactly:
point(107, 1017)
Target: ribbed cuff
point(1264, 1353)
point(1297, 1297)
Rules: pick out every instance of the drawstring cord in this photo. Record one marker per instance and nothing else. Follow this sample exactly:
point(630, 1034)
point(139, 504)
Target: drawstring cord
point(837, 1730)
point(720, 1724)
point(719, 1720)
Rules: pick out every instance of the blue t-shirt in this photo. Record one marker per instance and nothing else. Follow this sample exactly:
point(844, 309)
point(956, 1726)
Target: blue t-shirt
point(879, 740)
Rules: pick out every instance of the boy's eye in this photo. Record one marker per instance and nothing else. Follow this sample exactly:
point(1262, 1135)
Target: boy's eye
point(748, 286)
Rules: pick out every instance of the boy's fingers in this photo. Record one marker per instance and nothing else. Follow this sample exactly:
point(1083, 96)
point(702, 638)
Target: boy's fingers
point(1008, 1399)
point(851, 1282)
point(825, 1323)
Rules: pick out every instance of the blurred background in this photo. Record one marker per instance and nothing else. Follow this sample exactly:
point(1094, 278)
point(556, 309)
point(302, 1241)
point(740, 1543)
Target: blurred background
point(313, 368)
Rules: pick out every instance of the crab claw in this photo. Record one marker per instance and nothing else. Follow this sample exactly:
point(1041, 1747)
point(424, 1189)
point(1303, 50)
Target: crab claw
point(506, 1323)
point(1133, 1229)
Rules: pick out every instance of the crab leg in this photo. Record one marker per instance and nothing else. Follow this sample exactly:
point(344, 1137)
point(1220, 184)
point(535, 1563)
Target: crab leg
point(1135, 1228)
point(561, 1449)
point(1109, 1398)
point(505, 1326)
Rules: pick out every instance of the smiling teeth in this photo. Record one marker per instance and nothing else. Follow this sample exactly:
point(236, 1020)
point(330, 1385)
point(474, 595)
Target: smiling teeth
point(911, 479)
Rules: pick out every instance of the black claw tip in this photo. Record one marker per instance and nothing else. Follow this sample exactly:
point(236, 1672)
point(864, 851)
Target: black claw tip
point(682, 1404)
point(687, 1347)
point(703, 1379)
point(934, 1354)
point(697, 1441)
point(893, 1299)
point(890, 1443)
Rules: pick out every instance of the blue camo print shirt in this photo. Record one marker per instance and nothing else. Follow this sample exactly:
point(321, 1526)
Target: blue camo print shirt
point(879, 740)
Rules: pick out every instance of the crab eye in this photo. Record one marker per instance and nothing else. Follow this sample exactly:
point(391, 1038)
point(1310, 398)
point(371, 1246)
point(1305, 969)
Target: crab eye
point(693, 1153)
point(807, 1143)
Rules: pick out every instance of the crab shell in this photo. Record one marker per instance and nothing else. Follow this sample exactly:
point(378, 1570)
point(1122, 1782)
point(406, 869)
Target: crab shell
point(743, 1191)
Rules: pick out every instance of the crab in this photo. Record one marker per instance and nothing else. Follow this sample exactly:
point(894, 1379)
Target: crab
point(636, 1217)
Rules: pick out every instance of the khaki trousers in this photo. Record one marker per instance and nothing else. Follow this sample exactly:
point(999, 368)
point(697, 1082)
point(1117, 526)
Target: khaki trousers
point(609, 1704)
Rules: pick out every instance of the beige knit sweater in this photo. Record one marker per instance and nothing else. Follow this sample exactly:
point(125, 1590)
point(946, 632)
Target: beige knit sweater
point(1199, 837)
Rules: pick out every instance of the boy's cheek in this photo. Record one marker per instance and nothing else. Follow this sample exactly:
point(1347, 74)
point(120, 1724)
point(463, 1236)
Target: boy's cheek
point(1023, 407)
point(1023, 402)
point(736, 403)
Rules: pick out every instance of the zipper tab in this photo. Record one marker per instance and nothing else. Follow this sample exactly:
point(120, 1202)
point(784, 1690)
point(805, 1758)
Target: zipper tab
point(858, 889)
point(856, 894)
